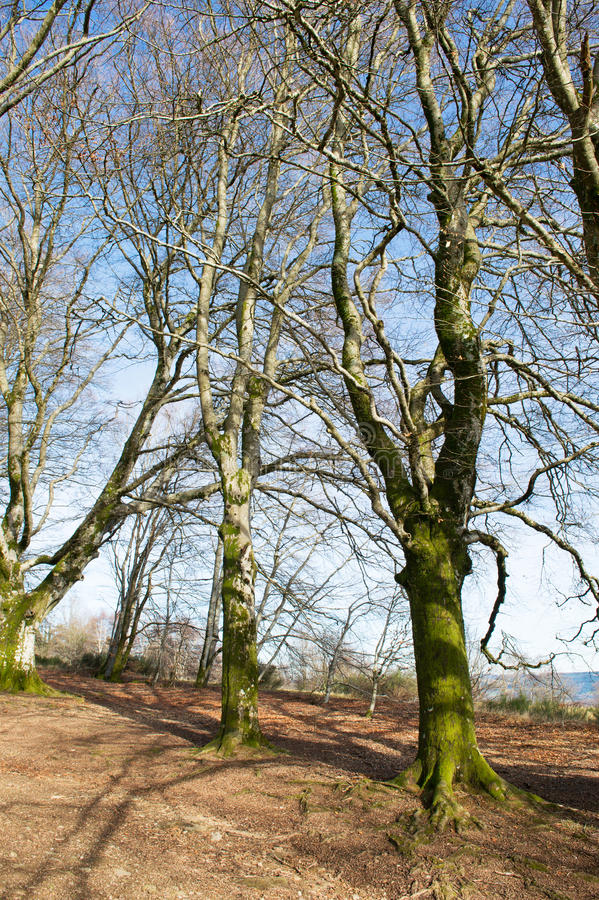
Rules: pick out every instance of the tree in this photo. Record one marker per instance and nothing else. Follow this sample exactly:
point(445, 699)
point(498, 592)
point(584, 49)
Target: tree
point(233, 205)
point(390, 647)
point(53, 343)
point(135, 572)
point(41, 383)
point(533, 180)
point(210, 645)
point(580, 108)
point(405, 140)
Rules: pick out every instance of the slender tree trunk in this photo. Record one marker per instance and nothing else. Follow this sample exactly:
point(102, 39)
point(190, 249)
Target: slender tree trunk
point(115, 670)
point(373, 694)
point(159, 673)
point(212, 622)
point(329, 681)
point(117, 659)
point(239, 718)
point(436, 565)
point(116, 640)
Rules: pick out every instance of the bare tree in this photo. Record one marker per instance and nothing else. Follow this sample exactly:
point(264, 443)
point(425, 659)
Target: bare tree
point(135, 570)
point(404, 144)
point(336, 644)
point(390, 649)
point(40, 40)
point(47, 382)
point(210, 645)
point(234, 205)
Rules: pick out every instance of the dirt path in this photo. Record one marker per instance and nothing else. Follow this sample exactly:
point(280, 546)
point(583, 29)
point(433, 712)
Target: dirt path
point(107, 798)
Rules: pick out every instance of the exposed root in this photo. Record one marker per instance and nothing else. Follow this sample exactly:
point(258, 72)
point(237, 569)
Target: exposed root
point(444, 810)
point(409, 779)
point(241, 746)
point(441, 807)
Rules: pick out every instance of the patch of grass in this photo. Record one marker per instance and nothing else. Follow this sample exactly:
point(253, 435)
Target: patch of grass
point(547, 709)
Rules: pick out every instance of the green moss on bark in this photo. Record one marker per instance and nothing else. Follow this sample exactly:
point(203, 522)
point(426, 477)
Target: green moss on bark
point(17, 645)
point(17, 681)
point(239, 726)
point(448, 753)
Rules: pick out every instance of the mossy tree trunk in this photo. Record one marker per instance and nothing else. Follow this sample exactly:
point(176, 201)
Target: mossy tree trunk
point(21, 610)
point(239, 714)
point(117, 658)
point(429, 475)
point(18, 623)
point(435, 567)
point(124, 636)
point(234, 438)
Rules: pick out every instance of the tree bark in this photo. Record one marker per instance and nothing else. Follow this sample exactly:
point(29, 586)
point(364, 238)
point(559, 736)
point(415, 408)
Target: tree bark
point(17, 641)
point(209, 647)
point(436, 565)
point(118, 659)
point(239, 715)
point(373, 694)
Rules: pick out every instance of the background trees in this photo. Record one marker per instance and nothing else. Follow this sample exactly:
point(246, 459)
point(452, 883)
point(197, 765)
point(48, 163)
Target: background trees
point(39, 41)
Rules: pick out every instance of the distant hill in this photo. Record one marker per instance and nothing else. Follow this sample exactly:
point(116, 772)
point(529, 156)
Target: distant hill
point(583, 687)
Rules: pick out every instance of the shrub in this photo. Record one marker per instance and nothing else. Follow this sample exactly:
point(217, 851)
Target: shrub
point(90, 661)
point(518, 704)
point(41, 660)
point(270, 677)
point(400, 685)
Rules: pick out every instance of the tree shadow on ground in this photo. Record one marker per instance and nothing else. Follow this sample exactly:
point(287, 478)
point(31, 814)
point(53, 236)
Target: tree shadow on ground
point(319, 734)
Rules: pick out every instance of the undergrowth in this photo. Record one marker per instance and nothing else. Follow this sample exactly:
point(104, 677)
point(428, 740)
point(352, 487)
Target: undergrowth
point(547, 709)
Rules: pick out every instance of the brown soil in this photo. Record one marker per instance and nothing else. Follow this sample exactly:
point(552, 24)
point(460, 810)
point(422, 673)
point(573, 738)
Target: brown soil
point(108, 798)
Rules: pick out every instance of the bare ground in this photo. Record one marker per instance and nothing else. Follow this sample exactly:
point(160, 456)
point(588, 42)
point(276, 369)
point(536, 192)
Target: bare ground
point(107, 797)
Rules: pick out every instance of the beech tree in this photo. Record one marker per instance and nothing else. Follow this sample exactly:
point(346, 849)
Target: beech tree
point(135, 570)
point(41, 383)
point(205, 131)
point(233, 432)
point(53, 346)
point(406, 138)
point(539, 180)
point(210, 644)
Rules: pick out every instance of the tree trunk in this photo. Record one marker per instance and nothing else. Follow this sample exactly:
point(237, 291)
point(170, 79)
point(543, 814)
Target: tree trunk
point(436, 565)
point(116, 641)
point(212, 621)
point(329, 679)
point(239, 718)
point(373, 694)
point(114, 665)
point(17, 645)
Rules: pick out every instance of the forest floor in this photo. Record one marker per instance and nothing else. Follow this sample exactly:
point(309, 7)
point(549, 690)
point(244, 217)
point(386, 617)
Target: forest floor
point(107, 797)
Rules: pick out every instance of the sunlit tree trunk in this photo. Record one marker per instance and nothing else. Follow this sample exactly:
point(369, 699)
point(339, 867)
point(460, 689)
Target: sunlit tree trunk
point(435, 567)
point(17, 636)
point(239, 718)
point(429, 491)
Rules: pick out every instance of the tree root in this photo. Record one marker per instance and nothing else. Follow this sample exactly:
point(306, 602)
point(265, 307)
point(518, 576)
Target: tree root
point(441, 807)
point(443, 811)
